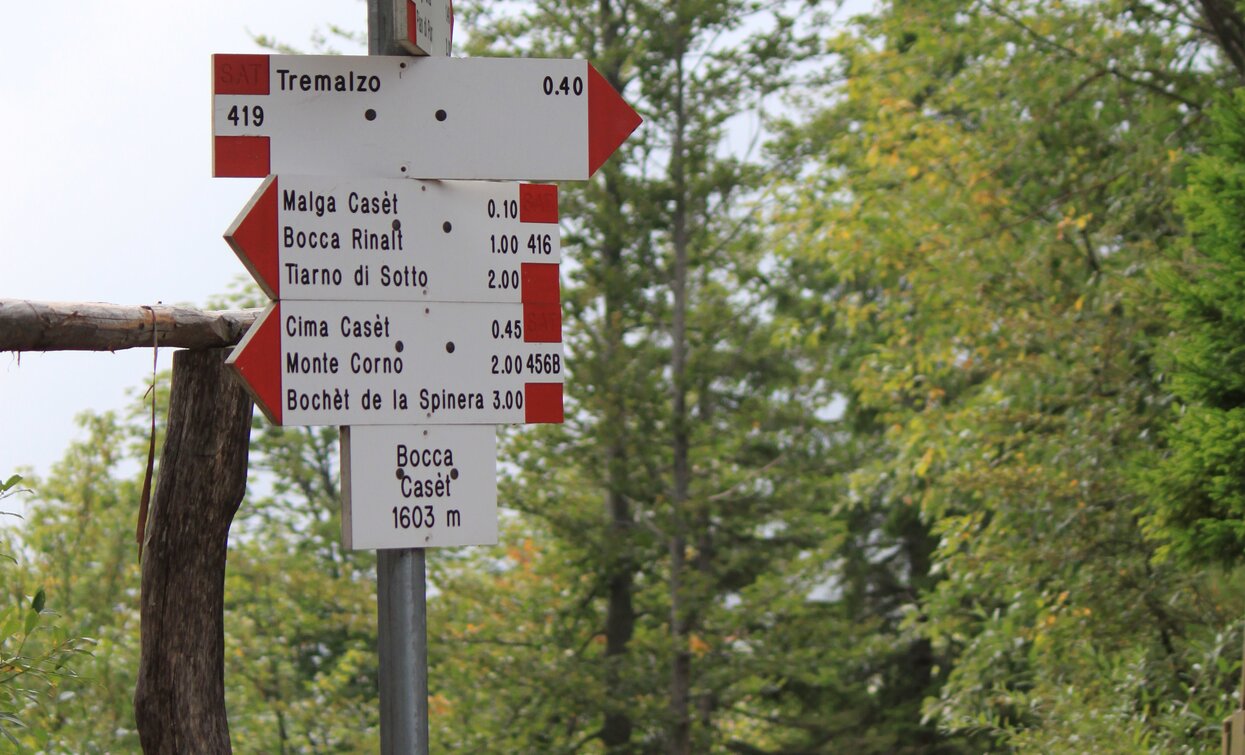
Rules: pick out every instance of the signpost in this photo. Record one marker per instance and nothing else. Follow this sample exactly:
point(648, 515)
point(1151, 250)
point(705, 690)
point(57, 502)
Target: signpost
point(424, 27)
point(398, 363)
point(419, 487)
point(313, 237)
point(417, 314)
point(403, 117)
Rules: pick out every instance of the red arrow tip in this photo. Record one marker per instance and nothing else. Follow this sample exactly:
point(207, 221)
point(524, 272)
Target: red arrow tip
point(253, 237)
point(610, 120)
point(257, 360)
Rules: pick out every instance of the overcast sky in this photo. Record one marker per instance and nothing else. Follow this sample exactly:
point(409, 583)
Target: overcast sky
point(105, 148)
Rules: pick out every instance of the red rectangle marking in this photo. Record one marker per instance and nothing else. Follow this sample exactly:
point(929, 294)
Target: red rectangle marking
point(412, 22)
point(240, 156)
point(538, 203)
point(542, 402)
point(539, 282)
point(542, 322)
point(240, 74)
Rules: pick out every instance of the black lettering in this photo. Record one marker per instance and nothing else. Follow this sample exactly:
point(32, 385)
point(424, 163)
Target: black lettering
point(323, 364)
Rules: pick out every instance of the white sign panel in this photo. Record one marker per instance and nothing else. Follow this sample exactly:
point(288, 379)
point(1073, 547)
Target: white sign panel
point(424, 27)
point(404, 117)
point(313, 237)
point(404, 363)
point(419, 487)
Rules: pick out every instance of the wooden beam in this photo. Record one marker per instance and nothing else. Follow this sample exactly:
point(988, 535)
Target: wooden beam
point(92, 326)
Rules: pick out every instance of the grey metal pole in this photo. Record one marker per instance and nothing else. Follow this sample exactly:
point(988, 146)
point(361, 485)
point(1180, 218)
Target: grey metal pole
point(401, 592)
point(402, 634)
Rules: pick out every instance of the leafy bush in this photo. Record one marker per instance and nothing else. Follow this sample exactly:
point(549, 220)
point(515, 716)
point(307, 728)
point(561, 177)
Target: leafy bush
point(34, 655)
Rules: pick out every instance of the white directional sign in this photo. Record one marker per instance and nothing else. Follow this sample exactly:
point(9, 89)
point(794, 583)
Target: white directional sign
point(403, 117)
point(419, 487)
point(305, 237)
point(424, 27)
point(404, 363)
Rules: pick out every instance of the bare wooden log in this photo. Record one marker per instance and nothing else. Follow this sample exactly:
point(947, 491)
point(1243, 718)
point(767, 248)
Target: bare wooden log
point(179, 702)
point(93, 326)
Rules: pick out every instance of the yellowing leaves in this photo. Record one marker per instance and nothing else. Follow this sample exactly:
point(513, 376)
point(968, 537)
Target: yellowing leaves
point(439, 705)
point(922, 466)
point(984, 198)
point(523, 554)
point(1072, 221)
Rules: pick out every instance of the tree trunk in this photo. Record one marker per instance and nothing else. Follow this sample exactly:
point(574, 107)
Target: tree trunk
point(620, 564)
point(619, 616)
point(1227, 28)
point(681, 610)
point(179, 703)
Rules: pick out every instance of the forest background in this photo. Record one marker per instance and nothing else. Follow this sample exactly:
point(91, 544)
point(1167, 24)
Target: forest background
point(914, 425)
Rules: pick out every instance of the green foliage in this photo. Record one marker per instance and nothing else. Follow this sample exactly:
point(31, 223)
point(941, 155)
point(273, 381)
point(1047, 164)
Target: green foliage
point(895, 474)
point(36, 655)
point(1200, 484)
point(663, 532)
point(299, 627)
point(970, 252)
point(77, 542)
point(300, 632)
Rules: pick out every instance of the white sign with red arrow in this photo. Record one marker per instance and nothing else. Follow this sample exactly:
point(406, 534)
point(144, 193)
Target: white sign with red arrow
point(419, 487)
point(402, 117)
point(424, 27)
point(404, 363)
point(312, 237)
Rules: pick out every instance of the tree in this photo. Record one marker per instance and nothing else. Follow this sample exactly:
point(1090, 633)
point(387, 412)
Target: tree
point(677, 486)
point(300, 626)
point(35, 654)
point(299, 633)
point(76, 545)
point(1200, 484)
point(993, 183)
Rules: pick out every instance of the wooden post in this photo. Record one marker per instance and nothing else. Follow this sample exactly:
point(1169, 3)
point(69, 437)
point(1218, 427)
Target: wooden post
point(179, 703)
point(1233, 738)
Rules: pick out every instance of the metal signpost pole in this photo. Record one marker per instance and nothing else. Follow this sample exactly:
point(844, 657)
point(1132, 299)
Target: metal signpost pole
point(402, 619)
point(402, 634)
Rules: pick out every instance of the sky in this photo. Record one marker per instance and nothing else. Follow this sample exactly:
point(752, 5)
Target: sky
point(105, 152)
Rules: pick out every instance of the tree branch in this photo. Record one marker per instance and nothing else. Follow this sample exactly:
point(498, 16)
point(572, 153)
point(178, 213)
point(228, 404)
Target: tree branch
point(1109, 69)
